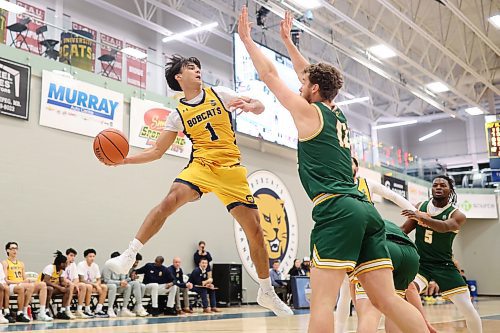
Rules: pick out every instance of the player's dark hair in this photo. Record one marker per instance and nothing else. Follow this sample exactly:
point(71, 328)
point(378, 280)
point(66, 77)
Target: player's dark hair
point(356, 163)
point(138, 257)
point(71, 250)
point(451, 183)
point(59, 259)
point(115, 254)
point(89, 251)
point(9, 244)
point(329, 79)
point(174, 66)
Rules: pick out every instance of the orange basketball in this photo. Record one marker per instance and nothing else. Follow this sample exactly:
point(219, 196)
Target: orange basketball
point(111, 146)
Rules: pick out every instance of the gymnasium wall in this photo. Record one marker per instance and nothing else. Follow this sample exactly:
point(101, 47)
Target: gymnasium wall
point(55, 194)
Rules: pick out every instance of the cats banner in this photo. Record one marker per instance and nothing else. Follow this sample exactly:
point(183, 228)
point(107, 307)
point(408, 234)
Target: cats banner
point(278, 219)
point(147, 120)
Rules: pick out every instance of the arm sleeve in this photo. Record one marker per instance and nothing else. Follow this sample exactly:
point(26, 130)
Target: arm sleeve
point(48, 270)
point(389, 195)
point(141, 270)
point(174, 122)
point(226, 95)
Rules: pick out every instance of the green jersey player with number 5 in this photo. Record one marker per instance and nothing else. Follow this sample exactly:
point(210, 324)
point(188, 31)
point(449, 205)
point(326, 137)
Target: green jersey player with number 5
point(348, 234)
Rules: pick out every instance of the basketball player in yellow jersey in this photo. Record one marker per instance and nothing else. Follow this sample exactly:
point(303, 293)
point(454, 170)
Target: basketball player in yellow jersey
point(204, 116)
point(16, 278)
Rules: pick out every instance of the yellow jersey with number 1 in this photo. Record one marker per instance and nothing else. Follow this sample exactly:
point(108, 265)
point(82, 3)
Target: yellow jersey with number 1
point(15, 271)
point(209, 127)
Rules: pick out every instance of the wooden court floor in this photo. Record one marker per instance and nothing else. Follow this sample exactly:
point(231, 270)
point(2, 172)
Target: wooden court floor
point(250, 319)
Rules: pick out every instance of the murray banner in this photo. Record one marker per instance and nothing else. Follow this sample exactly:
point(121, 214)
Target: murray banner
point(79, 107)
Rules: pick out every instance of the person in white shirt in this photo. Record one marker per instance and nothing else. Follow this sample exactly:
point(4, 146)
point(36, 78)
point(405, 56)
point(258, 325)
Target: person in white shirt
point(84, 291)
point(89, 273)
point(4, 290)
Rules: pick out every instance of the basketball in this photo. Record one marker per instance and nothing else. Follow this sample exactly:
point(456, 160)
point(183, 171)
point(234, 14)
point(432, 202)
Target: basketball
point(111, 146)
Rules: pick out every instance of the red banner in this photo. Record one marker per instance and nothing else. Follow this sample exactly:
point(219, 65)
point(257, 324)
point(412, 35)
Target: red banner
point(108, 42)
point(136, 69)
point(78, 26)
point(37, 15)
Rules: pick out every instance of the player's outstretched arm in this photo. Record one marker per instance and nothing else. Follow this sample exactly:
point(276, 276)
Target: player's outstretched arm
point(247, 104)
point(454, 223)
point(304, 115)
point(298, 60)
point(164, 142)
point(386, 193)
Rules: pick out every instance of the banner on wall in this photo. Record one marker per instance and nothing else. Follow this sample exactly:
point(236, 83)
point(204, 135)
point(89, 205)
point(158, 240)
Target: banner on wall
point(478, 206)
point(278, 220)
point(37, 16)
point(14, 89)
point(3, 25)
point(107, 43)
point(79, 49)
point(397, 185)
point(136, 69)
point(147, 120)
point(79, 107)
point(417, 193)
point(373, 176)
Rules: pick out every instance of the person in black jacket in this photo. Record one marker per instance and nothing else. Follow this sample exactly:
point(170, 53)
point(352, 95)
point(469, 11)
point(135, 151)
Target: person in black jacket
point(296, 270)
point(200, 254)
point(203, 285)
point(159, 281)
point(183, 287)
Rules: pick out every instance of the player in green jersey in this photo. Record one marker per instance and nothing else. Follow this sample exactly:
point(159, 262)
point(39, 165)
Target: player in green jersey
point(436, 223)
point(349, 233)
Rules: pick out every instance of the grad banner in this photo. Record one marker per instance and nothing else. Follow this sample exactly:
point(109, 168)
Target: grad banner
point(136, 69)
point(37, 15)
point(147, 120)
point(79, 107)
point(108, 42)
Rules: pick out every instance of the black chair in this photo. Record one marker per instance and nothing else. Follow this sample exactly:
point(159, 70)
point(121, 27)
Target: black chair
point(108, 63)
point(49, 44)
point(21, 30)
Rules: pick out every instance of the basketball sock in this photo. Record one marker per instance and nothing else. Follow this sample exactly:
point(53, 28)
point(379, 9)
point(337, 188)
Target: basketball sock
point(42, 309)
point(265, 284)
point(25, 311)
point(98, 308)
point(135, 245)
point(87, 309)
point(463, 303)
point(343, 307)
point(68, 308)
point(6, 311)
point(79, 307)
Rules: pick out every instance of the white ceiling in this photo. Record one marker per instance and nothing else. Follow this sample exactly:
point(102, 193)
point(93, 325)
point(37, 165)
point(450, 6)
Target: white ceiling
point(452, 42)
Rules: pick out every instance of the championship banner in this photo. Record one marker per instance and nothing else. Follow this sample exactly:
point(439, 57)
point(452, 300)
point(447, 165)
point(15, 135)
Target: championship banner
point(278, 220)
point(136, 69)
point(147, 120)
point(14, 89)
point(3, 25)
point(37, 16)
point(79, 107)
point(396, 185)
point(78, 48)
point(108, 42)
point(373, 176)
point(478, 206)
point(417, 193)
point(493, 141)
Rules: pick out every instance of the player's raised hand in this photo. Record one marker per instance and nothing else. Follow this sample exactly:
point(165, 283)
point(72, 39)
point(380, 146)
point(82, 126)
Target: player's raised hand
point(286, 26)
point(244, 26)
point(241, 104)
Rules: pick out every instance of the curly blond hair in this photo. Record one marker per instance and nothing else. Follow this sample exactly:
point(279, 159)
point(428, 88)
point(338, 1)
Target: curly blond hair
point(329, 79)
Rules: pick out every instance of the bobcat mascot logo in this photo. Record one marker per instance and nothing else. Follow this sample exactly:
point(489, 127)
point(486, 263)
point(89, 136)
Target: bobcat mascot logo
point(277, 219)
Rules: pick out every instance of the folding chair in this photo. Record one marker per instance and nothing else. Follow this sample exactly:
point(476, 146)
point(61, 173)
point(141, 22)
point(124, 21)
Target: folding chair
point(21, 30)
point(49, 44)
point(108, 63)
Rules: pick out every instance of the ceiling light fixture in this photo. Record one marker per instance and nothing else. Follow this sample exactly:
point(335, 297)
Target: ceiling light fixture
point(401, 123)
point(437, 87)
point(381, 51)
point(430, 135)
point(354, 100)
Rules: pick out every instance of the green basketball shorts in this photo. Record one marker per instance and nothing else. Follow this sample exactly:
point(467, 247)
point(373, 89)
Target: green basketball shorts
point(348, 234)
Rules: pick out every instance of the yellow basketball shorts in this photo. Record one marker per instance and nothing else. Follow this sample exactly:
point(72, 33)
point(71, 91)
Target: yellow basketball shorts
point(229, 184)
